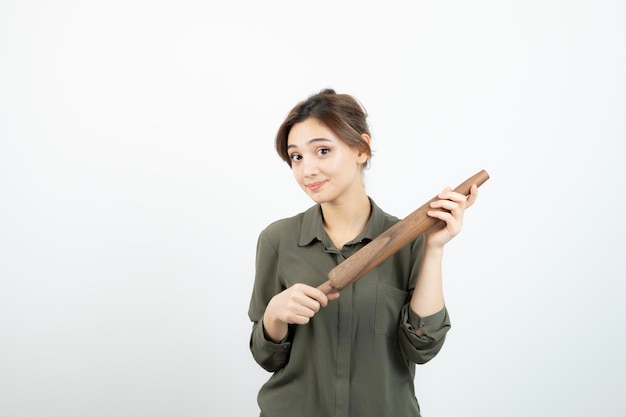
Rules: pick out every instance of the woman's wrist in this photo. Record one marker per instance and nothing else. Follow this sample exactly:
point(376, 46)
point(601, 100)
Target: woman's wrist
point(274, 329)
point(432, 249)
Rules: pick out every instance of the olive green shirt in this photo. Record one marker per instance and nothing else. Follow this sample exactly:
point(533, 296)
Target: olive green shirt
point(357, 356)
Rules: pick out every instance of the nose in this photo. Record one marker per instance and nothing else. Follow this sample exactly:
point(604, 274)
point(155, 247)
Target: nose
point(309, 167)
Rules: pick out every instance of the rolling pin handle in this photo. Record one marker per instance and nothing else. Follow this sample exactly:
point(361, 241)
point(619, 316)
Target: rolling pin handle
point(327, 287)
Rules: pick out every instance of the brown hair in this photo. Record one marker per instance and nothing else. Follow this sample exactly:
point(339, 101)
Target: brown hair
point(341, 113)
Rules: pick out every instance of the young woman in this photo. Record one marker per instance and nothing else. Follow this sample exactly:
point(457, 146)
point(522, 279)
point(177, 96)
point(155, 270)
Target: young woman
point(351, 353)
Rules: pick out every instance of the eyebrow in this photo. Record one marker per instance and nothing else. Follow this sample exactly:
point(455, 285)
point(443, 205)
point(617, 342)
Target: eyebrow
point(311, 141)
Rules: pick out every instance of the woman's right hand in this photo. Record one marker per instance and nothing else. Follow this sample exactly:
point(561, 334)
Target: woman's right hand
point(295, 305)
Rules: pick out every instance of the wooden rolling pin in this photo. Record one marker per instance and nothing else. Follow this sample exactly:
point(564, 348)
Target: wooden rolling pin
point(390, 241)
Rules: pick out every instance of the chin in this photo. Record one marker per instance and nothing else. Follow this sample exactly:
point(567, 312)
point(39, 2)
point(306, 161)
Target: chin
point(317, 198)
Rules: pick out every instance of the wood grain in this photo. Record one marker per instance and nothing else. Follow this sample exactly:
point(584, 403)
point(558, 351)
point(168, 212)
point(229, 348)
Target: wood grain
point(390, 241)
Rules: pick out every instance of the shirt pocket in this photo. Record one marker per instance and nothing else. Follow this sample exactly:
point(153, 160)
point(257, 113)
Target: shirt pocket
point(389, 303)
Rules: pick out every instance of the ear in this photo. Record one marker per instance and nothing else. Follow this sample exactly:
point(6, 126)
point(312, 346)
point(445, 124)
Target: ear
point(364, 153)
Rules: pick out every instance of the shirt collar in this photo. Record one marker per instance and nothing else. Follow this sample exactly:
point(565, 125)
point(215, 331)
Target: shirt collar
point(313, 225)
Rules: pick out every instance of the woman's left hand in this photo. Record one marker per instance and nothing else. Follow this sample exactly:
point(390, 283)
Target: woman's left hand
point(449, 208)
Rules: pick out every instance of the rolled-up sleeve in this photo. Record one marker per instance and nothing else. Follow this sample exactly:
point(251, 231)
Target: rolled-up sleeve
point(271, 356)
point(422, 348)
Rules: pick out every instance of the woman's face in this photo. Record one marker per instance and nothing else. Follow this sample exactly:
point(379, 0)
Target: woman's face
point(326, 168)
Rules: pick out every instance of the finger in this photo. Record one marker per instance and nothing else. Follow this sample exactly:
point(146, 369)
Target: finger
point(298, 319)
point(302, 311)
point(317, 295)
point(444, 193)
point(444, 216)
point(472, 195)
point(447, 223)
point(304, 301)
point(445, 205)
point(294, 310)
point(453, 196)
point(448, 206)
point(333, 295)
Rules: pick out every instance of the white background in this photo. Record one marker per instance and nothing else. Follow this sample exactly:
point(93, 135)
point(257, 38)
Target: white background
point(137, 169)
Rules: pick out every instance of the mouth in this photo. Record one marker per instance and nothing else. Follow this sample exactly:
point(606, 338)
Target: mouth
point(314, 186)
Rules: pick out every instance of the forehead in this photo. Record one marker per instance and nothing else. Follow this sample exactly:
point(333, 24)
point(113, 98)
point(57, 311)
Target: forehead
point(311, 129)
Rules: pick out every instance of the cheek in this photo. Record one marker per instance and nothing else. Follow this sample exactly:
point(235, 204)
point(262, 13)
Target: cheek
point(345, 164)
point(297, 174)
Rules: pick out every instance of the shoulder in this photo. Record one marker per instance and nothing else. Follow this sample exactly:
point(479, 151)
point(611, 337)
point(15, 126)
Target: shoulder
point(381, 218)
point(389, 219)
point(283, 226)
point(291, 227)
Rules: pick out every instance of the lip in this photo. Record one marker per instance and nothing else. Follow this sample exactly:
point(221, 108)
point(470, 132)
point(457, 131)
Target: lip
point(314, 186)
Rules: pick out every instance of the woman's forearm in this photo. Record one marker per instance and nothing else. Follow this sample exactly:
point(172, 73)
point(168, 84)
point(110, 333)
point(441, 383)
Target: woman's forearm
point(428, 293)
point(274, 329)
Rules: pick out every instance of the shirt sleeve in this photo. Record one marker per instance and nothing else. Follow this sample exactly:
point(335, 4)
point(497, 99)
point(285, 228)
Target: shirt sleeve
point(422, 348)
point(269, 355)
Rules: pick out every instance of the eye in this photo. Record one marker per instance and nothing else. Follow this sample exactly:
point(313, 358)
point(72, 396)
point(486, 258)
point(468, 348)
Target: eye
point(323, 151)
point(295, 157)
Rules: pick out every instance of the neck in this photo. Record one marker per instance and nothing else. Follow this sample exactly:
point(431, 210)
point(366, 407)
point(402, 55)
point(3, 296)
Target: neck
point(343, 221)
